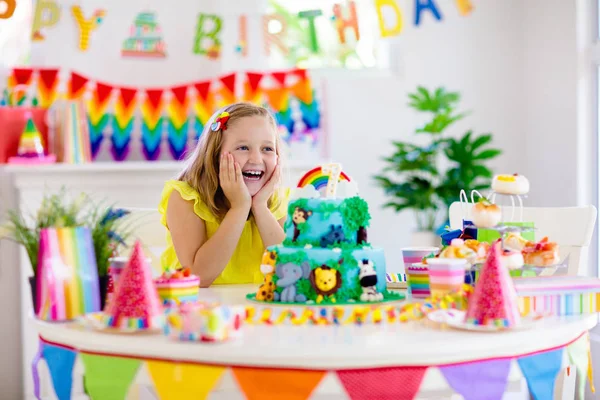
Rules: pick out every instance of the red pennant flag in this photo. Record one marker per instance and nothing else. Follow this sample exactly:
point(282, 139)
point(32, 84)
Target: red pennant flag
point(279, 77)
point(254, 80)
point(103, 91)
point(154, 96)
point(180, 93)
point(48, 77)
point(380, 383)
point(203, 89)
point(76, 84)
point(300, 72)
point(22, 75)
point(229, 82)
point(127, 96)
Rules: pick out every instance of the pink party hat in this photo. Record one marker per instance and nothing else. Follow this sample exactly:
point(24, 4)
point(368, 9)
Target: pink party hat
point(135, 304)
point(494, 301)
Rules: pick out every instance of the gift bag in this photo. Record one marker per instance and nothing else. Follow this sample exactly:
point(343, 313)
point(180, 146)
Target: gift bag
point(67, 276)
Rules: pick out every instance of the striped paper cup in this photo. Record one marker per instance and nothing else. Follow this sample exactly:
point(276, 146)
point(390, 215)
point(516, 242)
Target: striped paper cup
point(414, 255)
point(446, 275)
point(417, 279)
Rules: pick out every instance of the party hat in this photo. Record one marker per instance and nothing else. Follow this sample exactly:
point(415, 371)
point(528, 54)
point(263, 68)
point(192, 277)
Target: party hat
point(31, 146)
point(135, 304)
point(494, 301)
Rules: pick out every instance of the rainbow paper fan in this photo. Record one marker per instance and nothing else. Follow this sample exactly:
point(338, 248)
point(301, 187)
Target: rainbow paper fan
point(319, 179)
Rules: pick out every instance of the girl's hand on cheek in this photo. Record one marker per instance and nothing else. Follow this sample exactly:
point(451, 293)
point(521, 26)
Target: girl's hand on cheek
point(232, 183)
point(263, 195)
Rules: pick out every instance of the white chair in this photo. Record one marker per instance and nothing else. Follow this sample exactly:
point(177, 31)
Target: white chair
point(571, 227)
point(146, 227)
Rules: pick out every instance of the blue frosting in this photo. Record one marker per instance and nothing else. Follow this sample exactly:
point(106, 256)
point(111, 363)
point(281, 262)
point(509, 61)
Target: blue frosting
point(320, 223)
point(322, 256)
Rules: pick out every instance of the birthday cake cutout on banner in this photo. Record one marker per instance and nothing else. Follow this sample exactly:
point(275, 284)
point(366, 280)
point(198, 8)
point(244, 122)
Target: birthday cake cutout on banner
point(145, 38)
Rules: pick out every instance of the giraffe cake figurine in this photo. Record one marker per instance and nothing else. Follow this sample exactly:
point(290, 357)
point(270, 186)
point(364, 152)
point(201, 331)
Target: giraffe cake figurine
point(31, 146)
point(326, 258)
point(494, 301)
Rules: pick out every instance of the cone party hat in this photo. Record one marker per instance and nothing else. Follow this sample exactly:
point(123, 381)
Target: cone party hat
point(31, 146)
point(494, 301)
point(135, 304)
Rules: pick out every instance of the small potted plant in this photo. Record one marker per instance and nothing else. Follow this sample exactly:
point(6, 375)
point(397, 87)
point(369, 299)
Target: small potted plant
point(57, 212)
point(413, 178)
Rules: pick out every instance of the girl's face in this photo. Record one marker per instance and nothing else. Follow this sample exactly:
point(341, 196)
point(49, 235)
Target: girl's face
point(251, 141)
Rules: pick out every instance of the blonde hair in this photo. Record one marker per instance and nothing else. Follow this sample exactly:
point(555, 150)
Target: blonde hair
point(201, 169)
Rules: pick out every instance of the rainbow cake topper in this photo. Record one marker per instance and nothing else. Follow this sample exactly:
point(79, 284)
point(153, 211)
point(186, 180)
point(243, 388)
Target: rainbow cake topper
point(67, 278)
point(320, 178)
point(31, 146)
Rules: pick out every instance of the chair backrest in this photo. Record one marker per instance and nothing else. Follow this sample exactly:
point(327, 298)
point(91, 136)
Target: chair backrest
point(571, 227)
point(146, 227)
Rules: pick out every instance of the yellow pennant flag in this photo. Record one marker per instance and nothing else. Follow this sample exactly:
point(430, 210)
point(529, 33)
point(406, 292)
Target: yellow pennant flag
point(174, 381)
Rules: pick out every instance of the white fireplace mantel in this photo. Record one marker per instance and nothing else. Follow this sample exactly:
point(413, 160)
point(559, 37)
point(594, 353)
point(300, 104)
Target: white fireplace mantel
point(129, 184)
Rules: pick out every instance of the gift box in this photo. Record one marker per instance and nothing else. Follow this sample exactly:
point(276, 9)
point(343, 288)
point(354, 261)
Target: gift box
point(203, 322)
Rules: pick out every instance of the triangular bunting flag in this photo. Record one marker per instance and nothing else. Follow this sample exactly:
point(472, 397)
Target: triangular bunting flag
point(267, 383)
point(180, 93)
point(48, 77)
point(303, 91)
point(103, 92)
point(229, 82)
point(183, 381)
point(22, 76)
point(540, 371)
point(108, 377)
point(254, 79)
point(77, 85)
point(484, 380)
point(301, 73)
point(279, 77)
point(60, 362)
point(154, 96)
point(382, 383)
point(278, 98)
point(127, 96)
point(578, 356)
point(203, 89)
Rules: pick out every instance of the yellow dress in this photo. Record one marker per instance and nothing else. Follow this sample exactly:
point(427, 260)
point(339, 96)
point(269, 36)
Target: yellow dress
point(244, 265)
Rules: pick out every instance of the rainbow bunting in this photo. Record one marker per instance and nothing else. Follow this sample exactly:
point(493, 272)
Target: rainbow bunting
point(279, 98)
point(122, 123)
point(178, 123)
point(97, 116)
point(77, 85)
point(19, 77)
point(47, 84)
point(311, 116)
point(152, 123)
point(203, 106)
point(284, 118)
point(67, 277)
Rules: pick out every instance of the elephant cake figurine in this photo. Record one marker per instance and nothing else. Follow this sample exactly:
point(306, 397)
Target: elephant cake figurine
point(325, 258)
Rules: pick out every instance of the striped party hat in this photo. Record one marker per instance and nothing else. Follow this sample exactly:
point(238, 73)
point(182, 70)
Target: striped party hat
point(31, 146)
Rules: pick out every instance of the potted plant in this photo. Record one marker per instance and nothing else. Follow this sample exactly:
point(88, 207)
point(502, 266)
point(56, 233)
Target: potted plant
point(55, 211)
point(413, 177)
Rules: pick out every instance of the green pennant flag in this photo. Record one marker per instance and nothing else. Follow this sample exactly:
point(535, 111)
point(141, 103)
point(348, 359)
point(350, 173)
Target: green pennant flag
point(108, 377)
point(578, 356)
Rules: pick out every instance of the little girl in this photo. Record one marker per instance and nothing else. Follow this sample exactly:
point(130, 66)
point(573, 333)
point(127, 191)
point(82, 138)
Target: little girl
point(226, 205)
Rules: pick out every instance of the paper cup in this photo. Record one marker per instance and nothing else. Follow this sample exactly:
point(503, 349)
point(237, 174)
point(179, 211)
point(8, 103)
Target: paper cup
point(414, 255)
point(417, 280)
point(446, 275)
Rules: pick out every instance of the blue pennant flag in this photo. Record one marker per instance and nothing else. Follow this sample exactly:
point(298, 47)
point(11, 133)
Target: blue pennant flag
point(60, 363)
point(540, 371)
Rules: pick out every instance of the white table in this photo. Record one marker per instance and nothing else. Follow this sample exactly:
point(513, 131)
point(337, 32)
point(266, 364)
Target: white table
point(332, 347)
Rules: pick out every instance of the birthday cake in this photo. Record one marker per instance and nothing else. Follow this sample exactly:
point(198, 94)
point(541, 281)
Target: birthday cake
point(325, 257)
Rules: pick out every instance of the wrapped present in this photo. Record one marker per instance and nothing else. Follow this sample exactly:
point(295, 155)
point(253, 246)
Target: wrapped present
point(203, 322)
point(67, 277)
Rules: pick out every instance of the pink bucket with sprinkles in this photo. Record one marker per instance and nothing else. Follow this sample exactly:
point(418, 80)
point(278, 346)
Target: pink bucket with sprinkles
point(414, 255)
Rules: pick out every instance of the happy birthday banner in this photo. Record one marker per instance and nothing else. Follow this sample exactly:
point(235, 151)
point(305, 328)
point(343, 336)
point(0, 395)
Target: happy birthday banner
point(145, 38)
point(170, 111)
point(114, 376)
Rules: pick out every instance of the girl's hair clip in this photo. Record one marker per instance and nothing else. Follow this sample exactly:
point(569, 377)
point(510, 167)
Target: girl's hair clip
point(220, 122)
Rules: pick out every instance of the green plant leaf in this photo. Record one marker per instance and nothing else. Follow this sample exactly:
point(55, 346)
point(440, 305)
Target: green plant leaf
point(487, 154)
point(480, 141)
